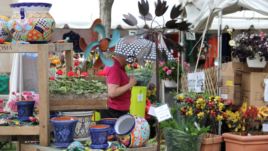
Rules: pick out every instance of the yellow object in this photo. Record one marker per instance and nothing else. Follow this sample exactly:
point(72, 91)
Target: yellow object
point(96, 116)
point(138, 101)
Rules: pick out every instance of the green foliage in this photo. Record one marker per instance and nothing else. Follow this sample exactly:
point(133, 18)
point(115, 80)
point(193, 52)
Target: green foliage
point(168, 70)
point(65, 85)
point(143, 74)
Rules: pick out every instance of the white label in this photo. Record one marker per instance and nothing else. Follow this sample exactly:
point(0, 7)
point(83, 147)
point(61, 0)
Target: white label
point(224, 96)
point(190, 35)
point(162, 113)
point(196, 82)
point(140, 97)
point(151, 111)
point(265, 127)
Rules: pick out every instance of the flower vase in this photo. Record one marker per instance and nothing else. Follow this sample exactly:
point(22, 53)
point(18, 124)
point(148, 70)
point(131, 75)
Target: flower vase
point(25, 110)
point(235, 142)
point(132, 131)
point(63, 129)
point(99, 135)
point(31, 22)
point(257, 62)
point(111, 123)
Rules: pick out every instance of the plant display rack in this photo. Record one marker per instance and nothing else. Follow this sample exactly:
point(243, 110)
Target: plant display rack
point(42, 130)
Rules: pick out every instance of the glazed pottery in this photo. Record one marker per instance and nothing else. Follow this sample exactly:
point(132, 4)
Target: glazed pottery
point(111, 123)
point(176, 141)
point(25, 110)
point(63, 129)
point(132, 131)
point(31, 22)
point(236, 142)
point(84, 121)
point(211, 142)
point(4, 33)
point(99, 135)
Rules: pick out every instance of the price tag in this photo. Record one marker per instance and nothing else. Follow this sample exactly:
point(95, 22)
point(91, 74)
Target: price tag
point(162, 112)
point(140, 97)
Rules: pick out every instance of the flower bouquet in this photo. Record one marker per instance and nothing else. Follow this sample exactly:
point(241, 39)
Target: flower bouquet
point(143, 74)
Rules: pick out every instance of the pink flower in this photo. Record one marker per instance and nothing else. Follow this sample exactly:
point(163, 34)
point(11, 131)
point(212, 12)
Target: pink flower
point(84, 74)
point(59, 72)
point(70, 74)
point(76, 63)
point(165, 68)
point(52, 78)
point(169, 72)
point(161, 63)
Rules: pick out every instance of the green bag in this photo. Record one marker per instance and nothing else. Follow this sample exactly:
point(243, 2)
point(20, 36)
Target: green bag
point(4, 84)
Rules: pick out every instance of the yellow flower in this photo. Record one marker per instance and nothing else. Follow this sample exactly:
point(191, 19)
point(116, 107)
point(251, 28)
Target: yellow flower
point(221, 106)
point(189, 112)
point(218, 98)
point(200, 115)
point(219, 118)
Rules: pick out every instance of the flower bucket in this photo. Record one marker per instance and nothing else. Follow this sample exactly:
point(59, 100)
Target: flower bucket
point(99, 135)
point(132, 131)
point(25, 110)
point(256, 62)
point(175, 141)
point(111, 123)
point(84, 121)
point(63, 128)
point(211, 142)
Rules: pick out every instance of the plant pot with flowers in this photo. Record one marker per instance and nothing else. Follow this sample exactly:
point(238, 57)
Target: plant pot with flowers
point(168, 73)
point(23, 103)
point(207, 111)
point(251, 48)
point(245, 126)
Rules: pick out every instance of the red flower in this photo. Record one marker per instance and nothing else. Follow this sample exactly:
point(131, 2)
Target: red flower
point(59, 72)
point(52, 78)
point(84, 74)
point(76, 63)
point(165, 68)
point(70, 74)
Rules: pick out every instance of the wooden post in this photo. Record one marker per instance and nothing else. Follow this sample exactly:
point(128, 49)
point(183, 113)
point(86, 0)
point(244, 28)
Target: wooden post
point(68, 60)
point(43, 95)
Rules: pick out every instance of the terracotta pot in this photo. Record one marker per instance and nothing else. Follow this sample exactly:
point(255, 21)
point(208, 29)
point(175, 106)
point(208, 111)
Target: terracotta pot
point(236, 142)
point(211, 143)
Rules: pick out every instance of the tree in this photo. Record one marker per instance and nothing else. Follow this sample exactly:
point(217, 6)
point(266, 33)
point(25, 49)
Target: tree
point(106, 14)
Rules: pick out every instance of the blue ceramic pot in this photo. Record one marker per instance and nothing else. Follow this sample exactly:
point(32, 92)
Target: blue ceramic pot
point(63, 129)
point(25, 110)
point(99, 134)
point(111, 122)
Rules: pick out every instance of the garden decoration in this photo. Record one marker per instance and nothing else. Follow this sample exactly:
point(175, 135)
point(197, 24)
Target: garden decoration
point(156, 34)
point(102, 46)
point(31, 22)
point(132, 131)
point(111, 123)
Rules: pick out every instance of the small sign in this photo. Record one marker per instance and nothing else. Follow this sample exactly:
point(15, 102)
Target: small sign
point(196, 82)
point(162, 112)
point(140, 97)
point(190, 35)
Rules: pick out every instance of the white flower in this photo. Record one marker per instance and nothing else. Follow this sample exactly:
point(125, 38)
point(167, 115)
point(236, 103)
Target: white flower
point(232, 43)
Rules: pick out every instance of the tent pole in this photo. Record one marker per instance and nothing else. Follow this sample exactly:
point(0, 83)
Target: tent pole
point(219, 59)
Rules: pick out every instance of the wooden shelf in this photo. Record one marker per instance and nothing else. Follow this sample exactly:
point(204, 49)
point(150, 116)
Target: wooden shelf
point(79, 104)
point(19, 130)
point(21, 48)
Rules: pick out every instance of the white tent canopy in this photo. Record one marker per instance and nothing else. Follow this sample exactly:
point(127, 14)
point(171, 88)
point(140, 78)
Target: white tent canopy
point(199, 10)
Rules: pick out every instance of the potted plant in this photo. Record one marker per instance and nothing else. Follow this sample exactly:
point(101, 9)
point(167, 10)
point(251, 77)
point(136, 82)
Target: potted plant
point(182, 133)
point(244, 124)
point(208, 111)
point(251, 48)
point(23, 103)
